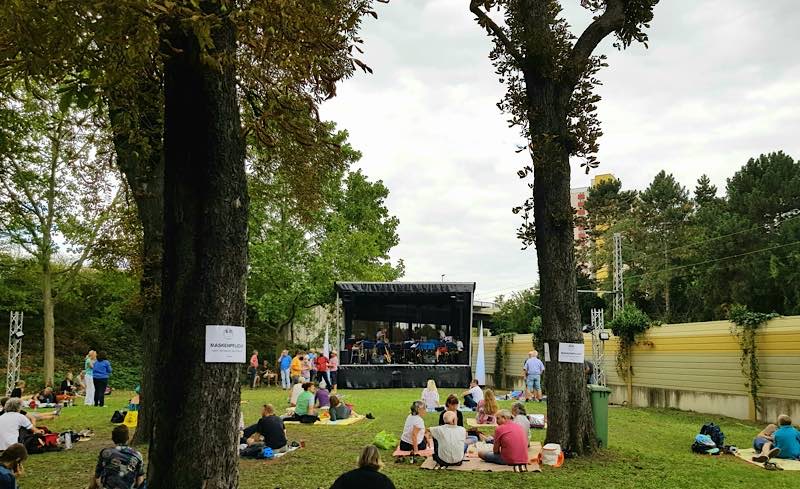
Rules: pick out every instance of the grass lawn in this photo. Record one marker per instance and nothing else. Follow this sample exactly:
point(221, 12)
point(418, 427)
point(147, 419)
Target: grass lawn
point(649, 449)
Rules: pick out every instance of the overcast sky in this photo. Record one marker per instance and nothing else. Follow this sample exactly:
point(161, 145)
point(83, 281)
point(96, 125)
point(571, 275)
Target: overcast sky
point(719, 84)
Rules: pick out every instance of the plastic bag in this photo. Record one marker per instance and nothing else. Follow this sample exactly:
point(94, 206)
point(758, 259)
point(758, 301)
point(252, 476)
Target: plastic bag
point(385, 441)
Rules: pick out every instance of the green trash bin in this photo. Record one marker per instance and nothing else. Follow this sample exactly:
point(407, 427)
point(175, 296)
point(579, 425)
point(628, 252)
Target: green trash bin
point(599, 398)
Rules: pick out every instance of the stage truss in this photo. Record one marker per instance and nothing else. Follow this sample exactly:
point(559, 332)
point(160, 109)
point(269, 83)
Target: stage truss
point(15, 335)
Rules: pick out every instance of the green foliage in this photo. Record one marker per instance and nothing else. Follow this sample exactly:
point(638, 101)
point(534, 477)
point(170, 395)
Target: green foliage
point(500, 354)
point(299, 249)
point(518, 313)
point(628, 326)
point(745, 327)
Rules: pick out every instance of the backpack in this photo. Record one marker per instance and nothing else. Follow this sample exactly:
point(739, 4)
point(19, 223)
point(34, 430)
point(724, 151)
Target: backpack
point(256, 450)
point(118, 417)
point(716, 434)
point(705, 445)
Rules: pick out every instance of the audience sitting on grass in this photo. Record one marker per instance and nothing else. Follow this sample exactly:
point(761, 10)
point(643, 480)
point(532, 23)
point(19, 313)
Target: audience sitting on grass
point(763, 444)
point(521, 416)
point(271, 429)
point(68, 387)
point(338, 409)
point(451, 405)
point(510, 445)
point(449, 441)
point(322, 398)
point(413, 437)
point(367, 475)
point(787, 439)
point(11, 421)
point(119, 467)
point(473, 395)
point(11, 465)
point(33, 416)
point(46, 396)
point(430, 396)
point(487, 408)
point(305, 412)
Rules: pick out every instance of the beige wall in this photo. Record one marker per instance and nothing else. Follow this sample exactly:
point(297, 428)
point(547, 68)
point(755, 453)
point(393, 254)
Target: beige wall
point(695, 366)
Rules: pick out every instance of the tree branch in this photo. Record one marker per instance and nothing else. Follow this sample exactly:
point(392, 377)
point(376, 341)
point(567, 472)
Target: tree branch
point(485, 21)
point(611, 20)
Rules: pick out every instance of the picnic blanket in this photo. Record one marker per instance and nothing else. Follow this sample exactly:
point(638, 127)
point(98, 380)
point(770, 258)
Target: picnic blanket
point(473, 463)
point(338, 422)
point(428, 452)
point(747, 456)
point(473, 423)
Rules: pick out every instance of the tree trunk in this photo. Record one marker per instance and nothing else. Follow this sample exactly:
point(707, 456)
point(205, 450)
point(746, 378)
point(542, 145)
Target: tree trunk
point(49, 322)
point(195, 439)
point(568, 410)
point(136, 114)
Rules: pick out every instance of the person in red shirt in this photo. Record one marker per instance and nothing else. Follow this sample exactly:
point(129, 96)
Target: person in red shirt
point(252, 369)
point(510, 442)
point(321, 362)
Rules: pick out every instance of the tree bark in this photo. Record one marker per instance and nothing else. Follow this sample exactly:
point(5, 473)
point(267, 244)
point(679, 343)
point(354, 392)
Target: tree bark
point(49, 321)
point(204, 270)
point(136, 114)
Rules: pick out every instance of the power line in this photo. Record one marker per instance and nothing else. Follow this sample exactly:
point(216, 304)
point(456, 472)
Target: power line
point(715, 260)
point(696, 243)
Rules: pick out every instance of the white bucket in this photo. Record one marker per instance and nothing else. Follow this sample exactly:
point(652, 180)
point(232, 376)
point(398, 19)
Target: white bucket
point(552, 455)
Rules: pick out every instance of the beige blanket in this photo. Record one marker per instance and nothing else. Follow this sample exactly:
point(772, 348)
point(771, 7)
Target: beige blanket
point(747, 456)
point(472, 462)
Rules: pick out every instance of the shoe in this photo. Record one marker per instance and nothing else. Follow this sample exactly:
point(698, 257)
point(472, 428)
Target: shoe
point(760, 458)
point(370, 416)
point(774, 452)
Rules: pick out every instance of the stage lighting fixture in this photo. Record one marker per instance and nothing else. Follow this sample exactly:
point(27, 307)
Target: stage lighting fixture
point(604, 336)
point(19, 334)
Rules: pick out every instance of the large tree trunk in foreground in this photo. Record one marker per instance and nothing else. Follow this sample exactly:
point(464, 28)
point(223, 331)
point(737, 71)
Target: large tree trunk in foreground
point(195, 441)
point(569, 418)
point(136, 113)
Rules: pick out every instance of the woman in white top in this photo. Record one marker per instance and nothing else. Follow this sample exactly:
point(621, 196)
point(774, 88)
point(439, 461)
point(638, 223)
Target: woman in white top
point(430, 396)
point(413, 437)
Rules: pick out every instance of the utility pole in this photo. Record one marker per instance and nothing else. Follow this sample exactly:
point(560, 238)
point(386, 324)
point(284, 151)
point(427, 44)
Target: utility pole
point(619, 292)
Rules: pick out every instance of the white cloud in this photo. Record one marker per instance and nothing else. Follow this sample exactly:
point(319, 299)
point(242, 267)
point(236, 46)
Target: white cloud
point(718, 85)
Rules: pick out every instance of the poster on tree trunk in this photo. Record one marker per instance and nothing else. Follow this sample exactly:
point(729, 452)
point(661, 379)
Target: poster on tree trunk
point(225, 344)
point(570, 352)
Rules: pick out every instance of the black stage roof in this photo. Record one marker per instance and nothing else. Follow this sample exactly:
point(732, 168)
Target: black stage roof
point(391, 288)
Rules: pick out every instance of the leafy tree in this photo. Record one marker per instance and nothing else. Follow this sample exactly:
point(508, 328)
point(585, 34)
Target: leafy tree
point(298, 253)
point(519, 313)
point(280, 59)
point(550, 77)
point(56, 195)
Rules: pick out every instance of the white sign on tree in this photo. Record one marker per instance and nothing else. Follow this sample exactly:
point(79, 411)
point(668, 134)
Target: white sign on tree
point(225, 344)
point(570, 352)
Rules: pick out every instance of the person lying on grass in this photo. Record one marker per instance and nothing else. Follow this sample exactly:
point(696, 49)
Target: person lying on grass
point(367, 475)
point(413, 437)
point(510, 442)
point(270, 427)
point(787, 439)
point(119, 467)
point(339, 410)
point(762, 444)
point(449, 441)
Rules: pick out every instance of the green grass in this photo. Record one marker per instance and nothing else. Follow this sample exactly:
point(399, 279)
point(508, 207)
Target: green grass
point(649, 449)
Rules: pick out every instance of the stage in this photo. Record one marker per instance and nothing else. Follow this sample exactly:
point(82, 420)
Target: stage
point(403, 375)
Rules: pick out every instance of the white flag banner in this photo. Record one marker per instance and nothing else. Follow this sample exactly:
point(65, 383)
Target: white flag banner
point(480, 361)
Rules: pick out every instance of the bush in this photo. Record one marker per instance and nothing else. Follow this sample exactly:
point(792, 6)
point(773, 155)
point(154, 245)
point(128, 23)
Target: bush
point(628, 325)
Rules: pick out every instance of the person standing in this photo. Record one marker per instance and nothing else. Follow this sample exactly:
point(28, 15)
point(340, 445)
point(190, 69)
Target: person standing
point(88, 368)
point(312, 365)
point(333, 370)
point(296, 368)
point(322, 370)
point(11, 465)
point(252, 369)
point(533, 370)
point(284, 363)
point(100, 375)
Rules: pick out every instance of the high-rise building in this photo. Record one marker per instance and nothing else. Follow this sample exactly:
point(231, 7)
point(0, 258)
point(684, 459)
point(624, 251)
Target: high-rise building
point(578, 198)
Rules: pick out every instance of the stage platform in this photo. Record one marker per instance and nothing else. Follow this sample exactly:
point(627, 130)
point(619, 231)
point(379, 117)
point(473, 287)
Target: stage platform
point(402, 375)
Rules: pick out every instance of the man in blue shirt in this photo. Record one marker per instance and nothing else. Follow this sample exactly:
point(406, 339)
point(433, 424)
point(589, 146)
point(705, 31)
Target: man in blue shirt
point(284, 362)
point(787, 438)
point(533, 370)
